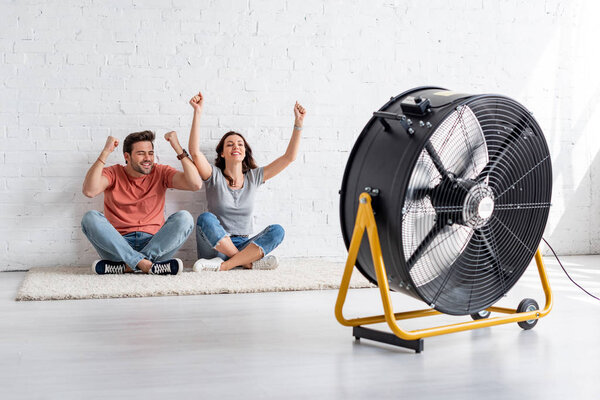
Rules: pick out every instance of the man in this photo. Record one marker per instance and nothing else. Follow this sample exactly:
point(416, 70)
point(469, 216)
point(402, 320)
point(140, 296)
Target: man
point(132, 234)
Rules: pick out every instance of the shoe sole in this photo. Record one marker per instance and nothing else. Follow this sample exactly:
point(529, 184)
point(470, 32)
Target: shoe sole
point(180, 264)
point(94, 267)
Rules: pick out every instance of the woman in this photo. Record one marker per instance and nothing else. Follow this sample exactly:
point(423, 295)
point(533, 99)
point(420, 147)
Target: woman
point(223, 234)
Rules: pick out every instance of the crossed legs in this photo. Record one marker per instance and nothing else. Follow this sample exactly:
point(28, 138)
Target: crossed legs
point(213, 241)
point(110, 245)
point(235, 257)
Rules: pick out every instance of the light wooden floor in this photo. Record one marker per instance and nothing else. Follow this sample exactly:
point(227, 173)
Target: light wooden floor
point(289, 346)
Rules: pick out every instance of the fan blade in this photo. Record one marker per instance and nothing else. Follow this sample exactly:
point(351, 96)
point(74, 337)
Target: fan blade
point(436, 159)
point(487, 245)
point(473, 162)
point(502, 150)
point(421, 180)
point(426, 263)
point(461, 144)
point(490, 246)
point(431, 235)
point(419, 218)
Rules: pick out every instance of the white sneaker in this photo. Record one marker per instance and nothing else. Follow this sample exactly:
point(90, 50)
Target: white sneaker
point(268, 262)
point(204, 264)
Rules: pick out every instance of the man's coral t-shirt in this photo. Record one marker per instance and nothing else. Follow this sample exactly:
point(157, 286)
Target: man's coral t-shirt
point(137, 204)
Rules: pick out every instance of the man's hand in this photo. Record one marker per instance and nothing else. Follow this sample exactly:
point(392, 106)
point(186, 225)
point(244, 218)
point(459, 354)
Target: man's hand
point(111, 144)
point(197, 102)
point(299, 114)
point(94, 182)
point(171, 137)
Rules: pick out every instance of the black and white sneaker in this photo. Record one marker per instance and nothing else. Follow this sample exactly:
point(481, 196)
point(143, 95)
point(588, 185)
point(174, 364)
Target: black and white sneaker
point(167, 267)
point(102, 267)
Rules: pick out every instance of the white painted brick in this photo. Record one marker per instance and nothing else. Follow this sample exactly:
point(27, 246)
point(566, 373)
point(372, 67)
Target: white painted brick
point(13, 58)
point(158, 123)
point(13, 81)
point(9, 101)
point(146, 84)
point(55, 145)
point(33, 46)
point(11, 171)
point(116, 48)
point(20, 184)
point(23, 157)
point(76, 59)
point(35, 59)
point(64, 90)
point(7, 45)
point(138, 108)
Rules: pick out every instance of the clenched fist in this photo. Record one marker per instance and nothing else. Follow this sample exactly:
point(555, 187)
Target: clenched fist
point(171, 137)
point(197, 102)
point(299, 114)
point(111, 144)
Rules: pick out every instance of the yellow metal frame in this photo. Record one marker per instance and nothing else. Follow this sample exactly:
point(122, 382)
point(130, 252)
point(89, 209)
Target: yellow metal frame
point(365, 219)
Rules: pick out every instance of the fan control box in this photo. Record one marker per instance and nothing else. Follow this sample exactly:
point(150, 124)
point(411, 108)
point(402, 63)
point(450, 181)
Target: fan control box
point(415, 105)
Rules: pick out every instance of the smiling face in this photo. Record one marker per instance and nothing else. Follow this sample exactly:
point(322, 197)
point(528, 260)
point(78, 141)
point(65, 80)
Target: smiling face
point(234, 149)
point(141, 158)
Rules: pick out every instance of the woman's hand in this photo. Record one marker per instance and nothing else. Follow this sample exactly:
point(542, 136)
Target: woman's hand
point(202, 165)
point(197, 102)
point(299, 114)
point(281, 163)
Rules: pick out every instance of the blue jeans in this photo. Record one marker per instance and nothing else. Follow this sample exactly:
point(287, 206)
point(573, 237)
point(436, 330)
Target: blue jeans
point(209, 232)
point(135, 246)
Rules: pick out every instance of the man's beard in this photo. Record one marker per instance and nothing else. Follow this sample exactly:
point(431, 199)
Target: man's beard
point(138, 168)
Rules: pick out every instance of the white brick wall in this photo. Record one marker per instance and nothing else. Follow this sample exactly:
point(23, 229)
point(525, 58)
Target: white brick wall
point(74, 71)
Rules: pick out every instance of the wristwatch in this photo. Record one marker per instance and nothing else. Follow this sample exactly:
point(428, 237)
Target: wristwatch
point(183, 155)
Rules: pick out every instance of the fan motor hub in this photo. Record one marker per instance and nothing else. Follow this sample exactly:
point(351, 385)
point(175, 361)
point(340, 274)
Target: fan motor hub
point(478, 206)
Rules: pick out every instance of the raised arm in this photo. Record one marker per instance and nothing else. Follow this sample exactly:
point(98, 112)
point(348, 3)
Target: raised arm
point(202, 165)
point(94, 182)
point(291, 152)
point(189, 178)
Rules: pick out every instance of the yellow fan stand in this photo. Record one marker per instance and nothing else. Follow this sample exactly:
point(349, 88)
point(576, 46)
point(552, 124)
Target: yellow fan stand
point(365, 219)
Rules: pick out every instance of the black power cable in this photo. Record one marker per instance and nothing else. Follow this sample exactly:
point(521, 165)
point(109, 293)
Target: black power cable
point(563, 268)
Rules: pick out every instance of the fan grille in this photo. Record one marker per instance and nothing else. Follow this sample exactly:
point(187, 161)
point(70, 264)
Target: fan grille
point(476, 204)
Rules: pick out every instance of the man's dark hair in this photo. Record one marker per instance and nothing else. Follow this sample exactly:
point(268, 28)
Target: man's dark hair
point(144, 136)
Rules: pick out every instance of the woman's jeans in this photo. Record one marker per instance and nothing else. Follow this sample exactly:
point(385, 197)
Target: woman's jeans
point(209, 232)
point(135, 246)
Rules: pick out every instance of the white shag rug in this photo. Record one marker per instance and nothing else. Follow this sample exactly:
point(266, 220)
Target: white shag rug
point(66, 283)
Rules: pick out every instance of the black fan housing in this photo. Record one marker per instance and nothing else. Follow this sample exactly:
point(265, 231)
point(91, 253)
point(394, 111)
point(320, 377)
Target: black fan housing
point(461, 188)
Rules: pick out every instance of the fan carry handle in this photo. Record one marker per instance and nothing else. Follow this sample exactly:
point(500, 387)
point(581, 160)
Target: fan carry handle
point(365, 220)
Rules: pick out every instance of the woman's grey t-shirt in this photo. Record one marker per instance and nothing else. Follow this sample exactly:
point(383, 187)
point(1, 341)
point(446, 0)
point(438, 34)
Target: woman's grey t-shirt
point(232, 207)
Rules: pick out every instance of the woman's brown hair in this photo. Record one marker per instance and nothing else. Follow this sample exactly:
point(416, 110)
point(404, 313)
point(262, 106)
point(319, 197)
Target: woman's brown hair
point(247, 164)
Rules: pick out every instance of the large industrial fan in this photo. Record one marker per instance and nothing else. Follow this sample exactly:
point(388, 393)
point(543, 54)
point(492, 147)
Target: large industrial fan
point(453, 191)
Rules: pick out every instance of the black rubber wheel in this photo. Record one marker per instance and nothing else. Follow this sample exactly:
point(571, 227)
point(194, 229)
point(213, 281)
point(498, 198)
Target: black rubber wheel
point(524, 306)
point(483, 314)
